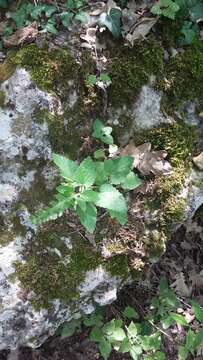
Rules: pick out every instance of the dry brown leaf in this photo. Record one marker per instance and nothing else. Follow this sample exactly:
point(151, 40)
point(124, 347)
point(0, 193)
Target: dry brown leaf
point(28, 33)
point(141, 30)
point(147, 161)
point(197, 279)
point(181, 287)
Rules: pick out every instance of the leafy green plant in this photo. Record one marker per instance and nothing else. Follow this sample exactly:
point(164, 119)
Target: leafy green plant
point(142, 338)
point(92, 184)
point(104, 78)
point(112, 21)
point(167, 8)
point(45, 15)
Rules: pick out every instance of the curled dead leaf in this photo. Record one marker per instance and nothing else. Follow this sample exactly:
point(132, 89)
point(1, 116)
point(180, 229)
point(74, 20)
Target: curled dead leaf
point(26, 34)
point(141, 30)
point(147, 161)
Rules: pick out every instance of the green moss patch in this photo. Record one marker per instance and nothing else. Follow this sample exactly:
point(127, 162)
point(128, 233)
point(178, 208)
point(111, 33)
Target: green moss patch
point(132, 68)
point(49, 70)
point(183, 78)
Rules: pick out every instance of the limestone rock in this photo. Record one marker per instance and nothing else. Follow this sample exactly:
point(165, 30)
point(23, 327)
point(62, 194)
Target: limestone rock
point(198, 161)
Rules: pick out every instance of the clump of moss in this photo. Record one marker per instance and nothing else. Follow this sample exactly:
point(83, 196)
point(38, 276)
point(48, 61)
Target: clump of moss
point(51, 276)
point(177, 139)
point(2, 99)
point(172, 212)
point(183, 78)
point(49, 70)
point(132, 68)
point(6, 70)
point(62, 140)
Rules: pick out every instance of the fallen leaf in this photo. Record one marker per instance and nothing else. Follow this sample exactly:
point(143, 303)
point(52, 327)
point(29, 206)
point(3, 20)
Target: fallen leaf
point(147, 161)
point(141, 30)
point(21, 36)
point(180, 286)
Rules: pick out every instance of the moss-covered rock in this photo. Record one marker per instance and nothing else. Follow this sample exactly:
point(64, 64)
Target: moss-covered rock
point(50, 70)
point(183, 78)
point(131, 69)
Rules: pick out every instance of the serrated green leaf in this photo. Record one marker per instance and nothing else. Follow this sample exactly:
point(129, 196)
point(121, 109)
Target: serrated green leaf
point(88, 217)
point(182, 353)
point(125, 346)
point(109, 327)
point(112, 21)
point(86, 173)
point(67, 167)
point(118, 334)
point(105, 348)
point(96, 334)
point(82, 204)
point(94, 319)
point(197, 310)
point(130, 313)
point(179, 319)
point(111, 199)
point(132, 329)
point(198, 340)
point(101, 175)
point(69, 328)
point(66, 190)
point(90, 196)
point(131, 181)
point(98, 154)
point(159, 355)
point(54, 211)
point(189, 341)
point(133, 353)
point(121, 217)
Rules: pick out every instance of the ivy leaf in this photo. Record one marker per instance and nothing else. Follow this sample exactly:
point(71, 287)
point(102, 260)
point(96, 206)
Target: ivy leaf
point(66, 18)
point(83, 17)
point(70, 4)
point(130, 313)
point(102, 132)
point(131, 181)
point(50, 27)
point(67, 167)
point(111, 199)
point(3, 3)
point(105, 78)
point(179, 319)
point(196, 12)
point(86, 173)
point(197, 310)
point(88, 217)
point(112, 21)
point(105, 348)
point(91, 80)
